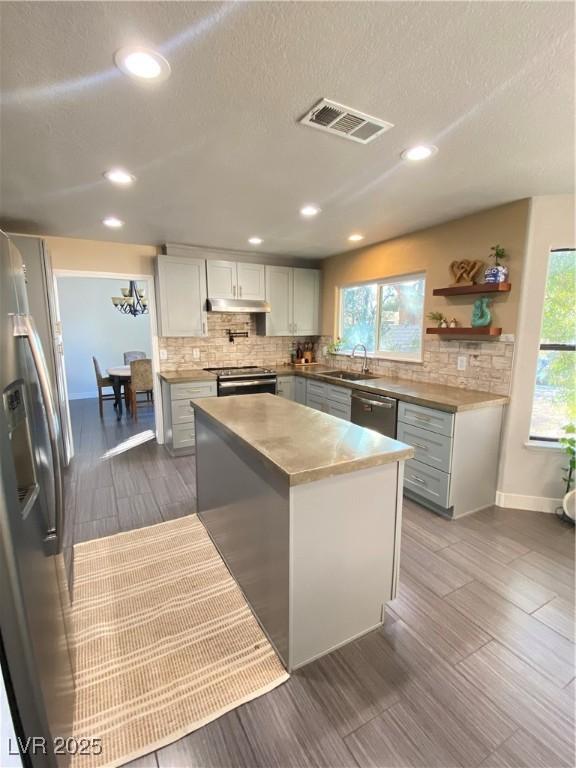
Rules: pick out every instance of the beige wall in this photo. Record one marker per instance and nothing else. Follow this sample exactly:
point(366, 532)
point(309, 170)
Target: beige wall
point(98, 256)
point(531, 478)
point(431, 251)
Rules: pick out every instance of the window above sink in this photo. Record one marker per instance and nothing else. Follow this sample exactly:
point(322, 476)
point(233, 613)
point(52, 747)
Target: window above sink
point(386, 316)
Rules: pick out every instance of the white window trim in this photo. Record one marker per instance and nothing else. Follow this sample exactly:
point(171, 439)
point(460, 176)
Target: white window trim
point(379, 355)
point(535, 442)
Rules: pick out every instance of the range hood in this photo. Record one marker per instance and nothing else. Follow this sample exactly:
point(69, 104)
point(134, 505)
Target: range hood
point(237, 305)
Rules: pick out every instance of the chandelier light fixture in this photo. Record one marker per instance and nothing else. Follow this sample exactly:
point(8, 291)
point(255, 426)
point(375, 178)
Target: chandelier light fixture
point(132, 302)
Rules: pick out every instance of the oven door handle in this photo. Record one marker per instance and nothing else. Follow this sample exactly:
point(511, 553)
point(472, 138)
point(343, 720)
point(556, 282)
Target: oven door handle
point(250, 383)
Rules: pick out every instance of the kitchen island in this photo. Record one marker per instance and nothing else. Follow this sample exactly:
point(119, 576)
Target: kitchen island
point(305, 509)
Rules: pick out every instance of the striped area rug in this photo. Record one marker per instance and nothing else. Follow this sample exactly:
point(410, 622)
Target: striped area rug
point(164, 640)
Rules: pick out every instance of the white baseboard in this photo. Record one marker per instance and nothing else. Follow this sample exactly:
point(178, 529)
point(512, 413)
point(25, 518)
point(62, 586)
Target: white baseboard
point(530, 503)
point(82, 395)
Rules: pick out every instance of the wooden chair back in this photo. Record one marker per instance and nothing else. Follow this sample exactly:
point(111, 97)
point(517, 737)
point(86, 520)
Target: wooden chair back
point(141, 375)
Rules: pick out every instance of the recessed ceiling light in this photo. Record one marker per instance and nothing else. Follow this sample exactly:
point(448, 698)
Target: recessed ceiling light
point(120, 176)
point(355, 238)
point(113, 222)
point(310, 210)
point(255, 240)
point(419, 152)
point(142, 63)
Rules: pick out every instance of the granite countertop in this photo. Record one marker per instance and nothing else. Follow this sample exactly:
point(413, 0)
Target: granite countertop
point(438, 396)
point(304, 444)
point(186, 376)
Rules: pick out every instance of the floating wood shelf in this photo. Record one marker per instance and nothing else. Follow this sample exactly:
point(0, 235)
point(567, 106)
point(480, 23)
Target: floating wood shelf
point(461, 290)
point(483, 331)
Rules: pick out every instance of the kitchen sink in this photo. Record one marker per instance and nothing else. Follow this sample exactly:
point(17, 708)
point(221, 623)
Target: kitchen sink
point(348, 375)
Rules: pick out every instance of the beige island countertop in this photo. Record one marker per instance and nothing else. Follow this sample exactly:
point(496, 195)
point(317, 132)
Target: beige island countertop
point(305, 445)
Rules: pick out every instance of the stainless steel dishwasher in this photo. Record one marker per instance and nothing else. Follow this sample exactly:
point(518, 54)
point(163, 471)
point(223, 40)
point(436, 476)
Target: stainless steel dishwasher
point(374, 412)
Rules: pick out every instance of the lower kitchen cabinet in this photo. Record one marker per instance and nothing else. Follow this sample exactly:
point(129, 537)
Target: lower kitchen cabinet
point(179, 437)
point(285, 387)
point(300, 389)
point(455, 466)
point(329, 398)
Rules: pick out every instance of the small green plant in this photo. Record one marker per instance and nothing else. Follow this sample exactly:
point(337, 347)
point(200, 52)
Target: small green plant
point(498, 253)
point(335, 346)
point(436, 317)
point(569, 444)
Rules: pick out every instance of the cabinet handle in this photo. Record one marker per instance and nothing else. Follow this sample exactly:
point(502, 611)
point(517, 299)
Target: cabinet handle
point(422, 418)
point(234, 290)
point(423, 447)
point(239, 290)
point(418, 479)
point(204, 328)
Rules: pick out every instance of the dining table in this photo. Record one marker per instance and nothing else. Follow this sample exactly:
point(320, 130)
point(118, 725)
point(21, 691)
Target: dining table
point(119, 376)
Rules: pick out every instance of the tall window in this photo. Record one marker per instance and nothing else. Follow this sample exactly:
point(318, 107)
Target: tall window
point(386, 316)
point(554, 396)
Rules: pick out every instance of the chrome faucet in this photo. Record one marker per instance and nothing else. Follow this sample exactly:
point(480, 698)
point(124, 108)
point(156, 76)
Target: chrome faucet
point(365, 368)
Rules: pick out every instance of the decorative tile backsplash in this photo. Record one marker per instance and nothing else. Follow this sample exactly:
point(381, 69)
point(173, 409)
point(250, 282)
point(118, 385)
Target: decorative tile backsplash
point(488, 364)
point(215, 349)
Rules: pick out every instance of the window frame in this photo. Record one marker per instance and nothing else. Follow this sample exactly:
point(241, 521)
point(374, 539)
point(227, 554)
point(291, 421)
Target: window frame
point(379, 283)
point(545, 347)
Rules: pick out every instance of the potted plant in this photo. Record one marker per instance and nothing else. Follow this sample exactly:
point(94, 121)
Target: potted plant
point(566, 511)
point(438, 318)
point(497, 273)
point(335, 346)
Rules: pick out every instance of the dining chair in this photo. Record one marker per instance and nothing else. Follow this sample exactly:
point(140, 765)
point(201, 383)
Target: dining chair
point(141, 381)
point(129, 356)
point(101, 383)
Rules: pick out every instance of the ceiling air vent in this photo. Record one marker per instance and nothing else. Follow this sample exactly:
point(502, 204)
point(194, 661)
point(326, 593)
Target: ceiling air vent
point(345, 122)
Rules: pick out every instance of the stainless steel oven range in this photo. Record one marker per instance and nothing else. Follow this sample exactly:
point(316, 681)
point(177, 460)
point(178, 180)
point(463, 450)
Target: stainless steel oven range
point(245, 380)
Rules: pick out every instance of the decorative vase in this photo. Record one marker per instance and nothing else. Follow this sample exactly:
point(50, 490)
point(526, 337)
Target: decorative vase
point(497, 273)
point(569, 505)
point(481, 315)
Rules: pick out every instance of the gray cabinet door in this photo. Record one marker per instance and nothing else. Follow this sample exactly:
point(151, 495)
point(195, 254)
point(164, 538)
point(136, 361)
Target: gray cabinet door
point(221, 279)
point(279, 295)
point(306, 302)
point(251, 282)
point(285, 387)
point(300, 390)
point(181, 290)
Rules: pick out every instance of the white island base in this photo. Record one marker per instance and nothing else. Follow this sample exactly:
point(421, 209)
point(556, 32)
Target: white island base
point(316, 560)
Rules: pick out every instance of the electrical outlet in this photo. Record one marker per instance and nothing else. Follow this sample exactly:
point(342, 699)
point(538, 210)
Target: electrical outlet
point(195, 353)
point(163, 354)
point(462, 362)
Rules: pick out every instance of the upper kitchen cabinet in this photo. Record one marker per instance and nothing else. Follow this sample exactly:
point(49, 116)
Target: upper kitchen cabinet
point(233, 280)
point(279, 292)
point(294, 298)
point(306, 317)
point(181, 291)
point(251, 281)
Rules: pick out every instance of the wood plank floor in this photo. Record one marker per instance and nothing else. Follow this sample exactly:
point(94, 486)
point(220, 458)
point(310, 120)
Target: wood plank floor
point(473, 667)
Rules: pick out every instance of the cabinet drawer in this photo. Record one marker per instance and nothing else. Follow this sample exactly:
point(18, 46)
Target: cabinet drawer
point(431, 448)
point(315, 388)
point(182, 412)
point(192, 390)
point(183, 436)
point(427, 418)
point(338, 394)
point(427, 482)
point(338, 409)
point(312, 401)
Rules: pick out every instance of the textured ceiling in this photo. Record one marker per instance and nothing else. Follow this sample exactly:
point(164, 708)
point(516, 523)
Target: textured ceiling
point(217, 148)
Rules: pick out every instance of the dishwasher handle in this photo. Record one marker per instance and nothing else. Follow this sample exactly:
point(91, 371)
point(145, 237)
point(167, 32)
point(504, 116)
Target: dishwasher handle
point(384, 403)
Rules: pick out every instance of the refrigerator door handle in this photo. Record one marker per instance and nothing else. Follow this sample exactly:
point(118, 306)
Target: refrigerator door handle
point(24, 328)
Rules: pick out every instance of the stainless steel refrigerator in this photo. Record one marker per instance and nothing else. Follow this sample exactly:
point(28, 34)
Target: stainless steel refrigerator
point(35, 652)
